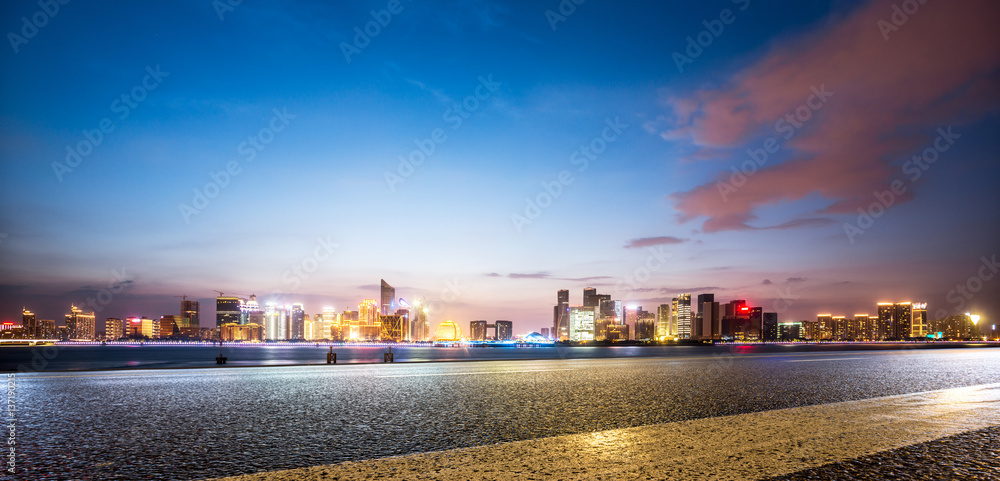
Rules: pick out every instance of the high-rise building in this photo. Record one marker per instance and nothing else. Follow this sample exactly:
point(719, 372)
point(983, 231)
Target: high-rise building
point(824, 326)
point(545, 333)
point(275, 322)
point(141, 327)
point(708, 323)
point(227, 310)
point(590, 297)
point(504, 330)
point(80, 325)
point(680, 309)
point(560, 316)
point(477, 330)
point(369, 328)
point(192, 311)
point(250, 312)
point(114, 328)
point(388, 299)
point(610, 309)
point(645, 325)
point(789, 331)
point(421, 323)
point(581, 323)
point(236, 332)
point(894, 320)
point(919, 327)
point(867, 329)
point(330, 327)
point(392, 328)
point(664, 328)
point(755, 324)
point(297, 323)
point(30, 324)
point(770, 327)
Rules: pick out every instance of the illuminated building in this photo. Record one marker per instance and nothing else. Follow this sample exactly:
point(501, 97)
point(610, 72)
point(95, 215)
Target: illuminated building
point(601, 328)
point(47, 329)
point(275, 322)
point(919, 327)
point(545, 333)
point(192, 311)
point(894, 320)
point(388, 298)
point(810, 330)
point(477, 330)
point(560, 316)
point(114, 328)
point(242, 332)
point(824, 326)
point(867, 329)
point(421, 324)
point(350, 324)
point(30, 323)
point(331, 324)
point(645, 325)
point(393, 328)
point(680, 309)
point(169, 327)
point(790, 331)
point(404, 314)
point(618, 332)
point(369, 328)
point(80, 325)
point(956, 328)
point(589, 297)
point(839, 328)
point(227, 310)
point(448, 331)
point(581, 323)
point(250, 312)
point(504, 330)
point(297, 323)
point(143, 328)
point(664, 328)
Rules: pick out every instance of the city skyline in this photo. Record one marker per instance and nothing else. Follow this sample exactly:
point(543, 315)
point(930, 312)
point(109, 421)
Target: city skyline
point(486, 154)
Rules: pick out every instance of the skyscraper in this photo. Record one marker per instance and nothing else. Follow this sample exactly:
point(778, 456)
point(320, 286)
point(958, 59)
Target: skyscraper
point(589, 297)
point(919, 328)
point(80, 325)
point(421, 324)
point(681, 310)
point(275, 322)
point(645, 325)
point(387, 306)
point(770, 326)
point(250, 312)
point(331, 324)
point(297, 323)
point(477, 330)
point(114, 328)
point(369, 327)
point(30, 324)
point(227, 310)
point(664, 328)
point(560, 316)
point(581, 323)
point(504, 330)
point(191, 310)
point(894, 320)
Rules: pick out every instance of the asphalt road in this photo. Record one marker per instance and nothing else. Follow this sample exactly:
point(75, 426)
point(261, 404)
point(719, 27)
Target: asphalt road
point(184, 424)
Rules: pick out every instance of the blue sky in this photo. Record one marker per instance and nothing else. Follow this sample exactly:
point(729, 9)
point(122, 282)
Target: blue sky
point(450, 222)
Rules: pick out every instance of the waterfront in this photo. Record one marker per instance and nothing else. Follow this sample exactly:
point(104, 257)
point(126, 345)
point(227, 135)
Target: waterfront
point(82, 356)
point(184, 424)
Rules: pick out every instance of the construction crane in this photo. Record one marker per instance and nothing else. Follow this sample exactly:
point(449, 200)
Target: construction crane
point(183, 297)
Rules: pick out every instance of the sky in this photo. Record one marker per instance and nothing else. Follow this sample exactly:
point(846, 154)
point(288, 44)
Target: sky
point(809, 157)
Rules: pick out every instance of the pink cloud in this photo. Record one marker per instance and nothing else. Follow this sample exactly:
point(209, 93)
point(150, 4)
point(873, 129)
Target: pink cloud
point(889, 97)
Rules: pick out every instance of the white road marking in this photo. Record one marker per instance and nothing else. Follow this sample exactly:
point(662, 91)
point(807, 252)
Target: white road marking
point(471, 373)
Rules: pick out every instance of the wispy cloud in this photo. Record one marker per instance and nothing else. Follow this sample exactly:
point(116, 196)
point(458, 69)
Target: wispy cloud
point(654, 241)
